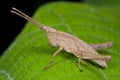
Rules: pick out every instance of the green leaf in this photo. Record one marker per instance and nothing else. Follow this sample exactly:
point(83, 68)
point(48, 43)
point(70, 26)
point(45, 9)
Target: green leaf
point(30, 53)
point(103, 2)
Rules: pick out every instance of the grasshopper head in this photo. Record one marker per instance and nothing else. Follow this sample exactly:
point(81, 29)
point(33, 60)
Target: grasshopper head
point(48, 29)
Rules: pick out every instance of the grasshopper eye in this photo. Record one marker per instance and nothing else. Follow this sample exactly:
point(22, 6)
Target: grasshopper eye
point(48, 31)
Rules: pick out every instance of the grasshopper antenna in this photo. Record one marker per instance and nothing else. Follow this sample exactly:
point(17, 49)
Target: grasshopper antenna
point(23, 15)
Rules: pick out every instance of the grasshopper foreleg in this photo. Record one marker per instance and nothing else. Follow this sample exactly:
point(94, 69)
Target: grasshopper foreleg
point(51, 60)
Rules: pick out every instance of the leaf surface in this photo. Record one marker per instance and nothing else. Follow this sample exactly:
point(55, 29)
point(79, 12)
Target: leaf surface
point(30, 53)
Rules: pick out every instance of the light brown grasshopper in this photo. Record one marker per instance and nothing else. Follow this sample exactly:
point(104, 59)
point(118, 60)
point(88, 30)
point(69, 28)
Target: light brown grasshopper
point(70, 43)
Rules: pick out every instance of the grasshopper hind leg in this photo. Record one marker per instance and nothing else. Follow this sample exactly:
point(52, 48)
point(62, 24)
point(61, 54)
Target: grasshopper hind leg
point(101, 46)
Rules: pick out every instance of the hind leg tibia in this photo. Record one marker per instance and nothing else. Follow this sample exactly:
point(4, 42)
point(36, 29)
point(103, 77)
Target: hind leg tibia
point(101, 46)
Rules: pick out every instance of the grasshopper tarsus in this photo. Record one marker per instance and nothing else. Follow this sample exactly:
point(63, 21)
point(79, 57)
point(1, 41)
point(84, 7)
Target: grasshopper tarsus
point(48, 66)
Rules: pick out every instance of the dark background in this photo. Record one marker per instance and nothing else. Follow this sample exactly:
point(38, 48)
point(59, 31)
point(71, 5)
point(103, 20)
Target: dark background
point(10, 24)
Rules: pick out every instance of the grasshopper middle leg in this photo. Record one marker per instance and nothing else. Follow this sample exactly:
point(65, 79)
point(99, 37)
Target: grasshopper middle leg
point(79, 59)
